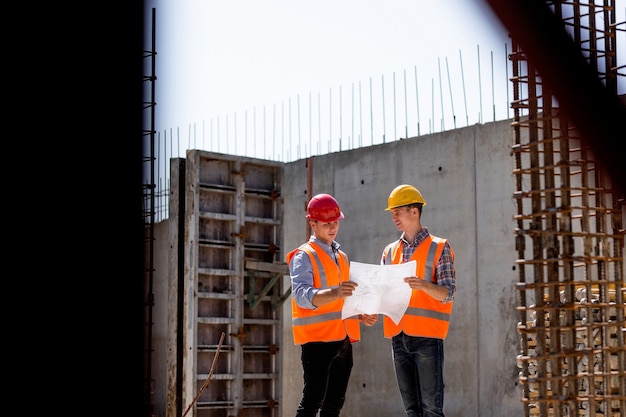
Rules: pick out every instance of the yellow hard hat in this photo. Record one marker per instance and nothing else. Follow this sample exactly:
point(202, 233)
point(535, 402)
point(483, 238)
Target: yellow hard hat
point(403, 195)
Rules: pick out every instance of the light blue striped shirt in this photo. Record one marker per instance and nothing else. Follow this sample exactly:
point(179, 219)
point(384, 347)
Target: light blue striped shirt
point(301, 272)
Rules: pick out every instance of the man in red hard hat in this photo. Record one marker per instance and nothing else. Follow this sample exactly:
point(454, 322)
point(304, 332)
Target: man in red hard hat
point(320, 273)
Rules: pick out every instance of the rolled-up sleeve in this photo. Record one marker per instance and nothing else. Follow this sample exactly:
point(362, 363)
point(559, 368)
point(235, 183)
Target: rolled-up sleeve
point(301, 272)
point(446, 274)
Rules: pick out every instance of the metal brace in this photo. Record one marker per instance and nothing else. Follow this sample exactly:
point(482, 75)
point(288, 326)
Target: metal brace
point(277, 271)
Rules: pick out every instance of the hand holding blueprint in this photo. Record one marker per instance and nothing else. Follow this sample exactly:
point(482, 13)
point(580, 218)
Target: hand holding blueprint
point(381, 290)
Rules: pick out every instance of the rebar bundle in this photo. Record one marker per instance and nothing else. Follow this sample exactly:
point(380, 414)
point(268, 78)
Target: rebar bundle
point(570, 241)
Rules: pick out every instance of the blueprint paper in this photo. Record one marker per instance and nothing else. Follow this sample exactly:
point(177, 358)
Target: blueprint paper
point(381, 290)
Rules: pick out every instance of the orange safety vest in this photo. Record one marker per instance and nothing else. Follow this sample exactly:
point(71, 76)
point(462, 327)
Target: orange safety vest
point(323, 324)
point(425, 316)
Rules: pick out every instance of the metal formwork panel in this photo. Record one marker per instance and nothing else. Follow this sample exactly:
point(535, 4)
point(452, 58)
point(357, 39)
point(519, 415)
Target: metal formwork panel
point(233, 224)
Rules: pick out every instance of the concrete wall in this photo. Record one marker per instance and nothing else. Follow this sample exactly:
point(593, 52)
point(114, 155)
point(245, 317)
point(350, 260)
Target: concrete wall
point(465, 176)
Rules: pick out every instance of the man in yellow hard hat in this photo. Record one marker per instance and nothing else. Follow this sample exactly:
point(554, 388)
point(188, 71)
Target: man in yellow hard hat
point(417, 340)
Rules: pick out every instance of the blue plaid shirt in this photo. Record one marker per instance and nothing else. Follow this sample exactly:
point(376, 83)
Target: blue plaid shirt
point(444, 272)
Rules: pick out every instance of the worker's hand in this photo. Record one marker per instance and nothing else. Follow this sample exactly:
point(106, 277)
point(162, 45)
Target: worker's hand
point(416, 283)
point(438, 292)
point(345, 289)
point(327, 295)
point(368, 319)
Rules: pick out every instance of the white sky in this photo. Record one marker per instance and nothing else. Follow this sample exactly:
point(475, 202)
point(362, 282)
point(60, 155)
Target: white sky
point(246, 76)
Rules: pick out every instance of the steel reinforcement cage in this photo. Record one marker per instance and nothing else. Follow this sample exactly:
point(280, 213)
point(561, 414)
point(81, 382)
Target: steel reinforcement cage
point(569, 238)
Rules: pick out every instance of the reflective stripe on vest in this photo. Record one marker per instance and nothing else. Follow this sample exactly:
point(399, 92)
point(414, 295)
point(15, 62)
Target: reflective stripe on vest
point(425, 316)
point(316, 319)
point(319, 273)
point(323, 324)
point(430, 259)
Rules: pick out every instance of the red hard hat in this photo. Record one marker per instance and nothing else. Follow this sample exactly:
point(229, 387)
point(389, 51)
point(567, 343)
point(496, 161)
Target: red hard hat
point(324, 208)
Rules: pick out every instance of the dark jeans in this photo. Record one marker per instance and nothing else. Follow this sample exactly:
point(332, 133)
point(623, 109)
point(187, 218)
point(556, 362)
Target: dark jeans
point(419, 370)
point(327, 367)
